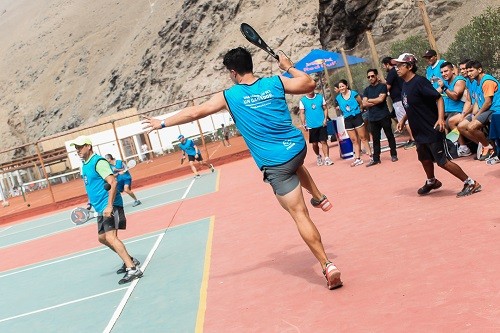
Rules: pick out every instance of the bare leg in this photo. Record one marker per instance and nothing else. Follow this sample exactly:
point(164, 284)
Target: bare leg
point(193, 168)
point(356, 143)
point(294, 204)
point(308, 183)
point(325, 149)
point(455, 170)
point(129, 192)
point(364, 137)
point(428, 168)
point(110, 239)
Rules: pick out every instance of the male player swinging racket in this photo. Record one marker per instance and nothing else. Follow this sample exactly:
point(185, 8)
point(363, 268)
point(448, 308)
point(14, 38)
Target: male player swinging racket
point(96, 172)
point(261, 114)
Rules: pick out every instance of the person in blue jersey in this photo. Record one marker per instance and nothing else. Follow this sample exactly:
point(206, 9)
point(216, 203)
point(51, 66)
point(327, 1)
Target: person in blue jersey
point(96, 172)
point(314, 116)
point(469, 99)
point(123, 177)
point(349, 103)
point(433, 70)
point(374, 99)
point(259, 110)
point(488, 102)
point(425, 112)
point(193, 153)
point(452, 89)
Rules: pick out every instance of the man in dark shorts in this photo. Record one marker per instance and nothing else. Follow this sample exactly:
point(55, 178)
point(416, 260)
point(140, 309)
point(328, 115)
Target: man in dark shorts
point(314, 116)
point(193, 153)
point(96, 172)
point(374, 99)
point(425, 111)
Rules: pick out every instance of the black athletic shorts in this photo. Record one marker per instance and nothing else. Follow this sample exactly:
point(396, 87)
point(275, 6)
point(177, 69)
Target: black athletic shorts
point(353, 122)
point(193, 158)
point(435, 151)
point(114, 222)
point(318, 134)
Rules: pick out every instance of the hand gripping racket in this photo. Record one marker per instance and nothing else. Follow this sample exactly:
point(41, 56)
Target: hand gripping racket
point(80, 215)
point(253, 37)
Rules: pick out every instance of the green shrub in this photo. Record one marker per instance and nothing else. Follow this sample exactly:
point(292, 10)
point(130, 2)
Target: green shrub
point(416, 45)
point(479, 40)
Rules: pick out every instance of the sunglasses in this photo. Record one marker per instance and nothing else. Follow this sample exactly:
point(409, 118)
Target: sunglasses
point(370, 76)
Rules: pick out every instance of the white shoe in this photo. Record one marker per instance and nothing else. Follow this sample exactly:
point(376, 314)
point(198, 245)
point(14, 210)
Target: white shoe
point(462, 152)
point(328, 161)
point(357, 162)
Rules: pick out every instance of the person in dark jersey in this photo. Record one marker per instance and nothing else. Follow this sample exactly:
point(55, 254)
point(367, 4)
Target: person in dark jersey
point(425, 111)
point(260, 112)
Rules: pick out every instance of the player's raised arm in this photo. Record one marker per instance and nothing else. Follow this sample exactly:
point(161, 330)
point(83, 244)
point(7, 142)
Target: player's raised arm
point(215, 104)
point(300, 83)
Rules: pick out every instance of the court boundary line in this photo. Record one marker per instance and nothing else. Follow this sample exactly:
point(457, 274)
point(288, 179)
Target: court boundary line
point(116, 315)
point(61, 304)
point(202, 306)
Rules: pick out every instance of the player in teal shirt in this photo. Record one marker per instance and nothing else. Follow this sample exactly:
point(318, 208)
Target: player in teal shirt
point(96, 172)
point(260, 113)
point(193, 153)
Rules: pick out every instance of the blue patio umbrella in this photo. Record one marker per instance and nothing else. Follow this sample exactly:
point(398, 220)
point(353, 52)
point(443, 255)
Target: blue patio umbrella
point(313, 62)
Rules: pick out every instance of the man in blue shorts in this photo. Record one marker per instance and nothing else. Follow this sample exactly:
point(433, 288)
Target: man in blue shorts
point(96, 172)
point(123, 177)
point(425, 112)
point(260, 113)
point(193, 153)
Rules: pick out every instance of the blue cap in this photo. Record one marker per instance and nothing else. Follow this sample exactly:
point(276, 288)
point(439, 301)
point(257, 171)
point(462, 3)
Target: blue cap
point(180, 137)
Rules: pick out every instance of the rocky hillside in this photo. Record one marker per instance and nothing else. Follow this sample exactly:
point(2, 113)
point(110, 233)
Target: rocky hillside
point(65, 63)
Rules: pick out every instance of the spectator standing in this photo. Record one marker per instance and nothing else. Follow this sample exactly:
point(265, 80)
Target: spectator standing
point(314, 116)
point(374, 99)
point(394, 84)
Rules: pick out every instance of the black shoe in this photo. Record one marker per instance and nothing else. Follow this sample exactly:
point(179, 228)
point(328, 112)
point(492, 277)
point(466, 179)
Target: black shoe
point(394, 158)
point(429, 187)
point(469, 189)
point(409, 145)
point(123, 269)
point(131, 275)
point(372, 163)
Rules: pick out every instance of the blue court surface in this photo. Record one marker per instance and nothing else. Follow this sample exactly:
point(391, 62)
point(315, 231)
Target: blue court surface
point(79, 292)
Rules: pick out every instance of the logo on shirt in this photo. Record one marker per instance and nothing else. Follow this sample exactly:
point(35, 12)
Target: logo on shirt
point(404, 99)
point(288, 144)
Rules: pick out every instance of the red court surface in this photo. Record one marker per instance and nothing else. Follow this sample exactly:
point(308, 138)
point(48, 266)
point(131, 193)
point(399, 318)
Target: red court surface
point(409, 263)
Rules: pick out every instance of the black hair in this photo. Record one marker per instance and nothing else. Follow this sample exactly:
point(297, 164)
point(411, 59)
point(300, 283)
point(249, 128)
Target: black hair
point(446, 64)
point(344, 82)
point(374, 70)
point(387, 60)
point(474, 64)
point(464, 61)
point(109, 156)
point(239, 60)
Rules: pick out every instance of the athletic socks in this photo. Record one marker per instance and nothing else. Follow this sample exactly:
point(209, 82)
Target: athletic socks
point(431, 180)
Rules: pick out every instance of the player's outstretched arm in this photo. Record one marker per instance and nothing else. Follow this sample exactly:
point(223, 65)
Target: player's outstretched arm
point(215, 104)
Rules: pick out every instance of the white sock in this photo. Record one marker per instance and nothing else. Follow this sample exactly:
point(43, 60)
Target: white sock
point(431, 180)
point(469, 181)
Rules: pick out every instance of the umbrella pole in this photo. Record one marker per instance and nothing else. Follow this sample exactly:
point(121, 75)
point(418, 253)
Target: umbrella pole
point(331, 90)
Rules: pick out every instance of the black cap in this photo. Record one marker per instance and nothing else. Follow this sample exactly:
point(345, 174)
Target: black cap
point(429, 53)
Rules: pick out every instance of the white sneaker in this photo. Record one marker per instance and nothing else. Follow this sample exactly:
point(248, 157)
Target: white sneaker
point(319, 160)
point(328, 161)
point(462, 152)
point(357, 162)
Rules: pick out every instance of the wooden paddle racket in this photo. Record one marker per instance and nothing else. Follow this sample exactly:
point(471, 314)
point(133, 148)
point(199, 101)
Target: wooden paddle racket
point(80, 215)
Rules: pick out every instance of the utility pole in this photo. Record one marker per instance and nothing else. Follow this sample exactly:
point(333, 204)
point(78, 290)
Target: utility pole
point(374, 54)
point(347, 68)
point(427, 25)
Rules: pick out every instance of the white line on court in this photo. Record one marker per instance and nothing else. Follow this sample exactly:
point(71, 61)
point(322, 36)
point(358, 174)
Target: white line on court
point(6, 228)
point(62, 304)
point(72, 257)
point(131, 288)
point(125, 298)
point(32, 228)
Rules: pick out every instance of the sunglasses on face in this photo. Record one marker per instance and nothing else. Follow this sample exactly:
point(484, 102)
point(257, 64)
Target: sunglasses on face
point(370, 76)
